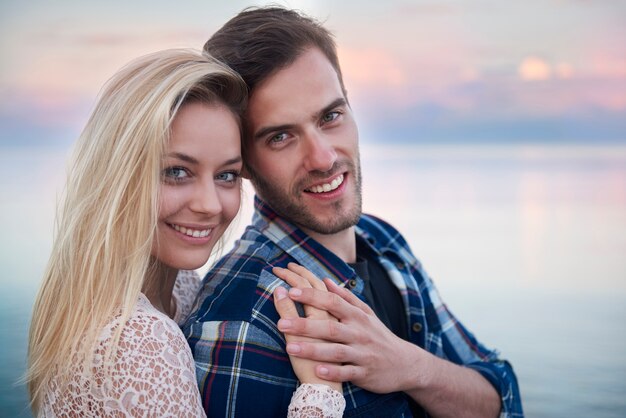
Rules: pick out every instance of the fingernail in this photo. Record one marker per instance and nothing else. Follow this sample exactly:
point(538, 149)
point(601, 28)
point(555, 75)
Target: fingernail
point(322, 370)
point(283, 324)
point(294, 291)
point(293, 348)
point(280, 293)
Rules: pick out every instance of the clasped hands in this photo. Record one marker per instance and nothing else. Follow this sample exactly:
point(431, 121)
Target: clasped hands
point(341, 339)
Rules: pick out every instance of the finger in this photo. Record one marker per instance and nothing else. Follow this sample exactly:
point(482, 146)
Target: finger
point(308, 275)
point(303, 367)
point(285, 306)
point(348, 296)
point(322, 329)
point(317, 350)
point(327, 301)
point(295, 280)
point(341, 373)
point(291, 278)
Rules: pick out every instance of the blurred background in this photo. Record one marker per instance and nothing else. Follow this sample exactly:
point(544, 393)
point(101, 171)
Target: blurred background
point(493, 136)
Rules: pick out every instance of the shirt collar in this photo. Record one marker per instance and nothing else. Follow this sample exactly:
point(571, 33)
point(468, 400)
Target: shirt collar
point(300, 246)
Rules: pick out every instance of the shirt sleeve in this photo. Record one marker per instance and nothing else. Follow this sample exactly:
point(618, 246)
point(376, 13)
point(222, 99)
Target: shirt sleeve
point(488, 363)
point(457, 344)
point(242, 369)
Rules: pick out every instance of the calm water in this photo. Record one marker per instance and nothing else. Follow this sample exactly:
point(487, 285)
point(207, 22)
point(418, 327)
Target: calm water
point(527, 245)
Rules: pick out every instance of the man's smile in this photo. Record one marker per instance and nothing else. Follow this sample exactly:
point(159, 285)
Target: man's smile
point(326, 187)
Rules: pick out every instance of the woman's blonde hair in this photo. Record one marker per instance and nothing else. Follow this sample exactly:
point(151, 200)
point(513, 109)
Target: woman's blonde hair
point(107, 219)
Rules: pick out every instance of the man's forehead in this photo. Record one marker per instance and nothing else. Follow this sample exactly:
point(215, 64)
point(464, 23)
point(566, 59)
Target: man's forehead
point(306, 86)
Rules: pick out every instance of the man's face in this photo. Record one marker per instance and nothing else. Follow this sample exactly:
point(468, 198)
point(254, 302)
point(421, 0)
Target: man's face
point(302, 146)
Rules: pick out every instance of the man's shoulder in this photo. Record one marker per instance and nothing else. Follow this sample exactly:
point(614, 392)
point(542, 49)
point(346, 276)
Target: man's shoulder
point(380, 230)
point(370, 221)
point(239, 284)
point(388, 240)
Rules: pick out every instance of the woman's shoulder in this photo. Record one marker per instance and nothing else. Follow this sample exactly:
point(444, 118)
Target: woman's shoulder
point(151, 342)
point(147, 337)
point(148, 325)
point(152, 358)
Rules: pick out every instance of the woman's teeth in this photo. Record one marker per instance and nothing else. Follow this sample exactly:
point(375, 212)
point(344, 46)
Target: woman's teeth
point(196, 233)
point(327, 187)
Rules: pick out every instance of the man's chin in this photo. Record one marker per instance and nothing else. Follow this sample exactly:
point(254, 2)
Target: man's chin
point(326, 221)
point(329, 225)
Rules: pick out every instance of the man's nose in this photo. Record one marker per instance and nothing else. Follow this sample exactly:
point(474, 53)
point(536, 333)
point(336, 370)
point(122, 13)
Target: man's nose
point(320, 153)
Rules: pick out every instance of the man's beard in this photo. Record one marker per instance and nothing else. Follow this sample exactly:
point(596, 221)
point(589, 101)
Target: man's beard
point(289, 205)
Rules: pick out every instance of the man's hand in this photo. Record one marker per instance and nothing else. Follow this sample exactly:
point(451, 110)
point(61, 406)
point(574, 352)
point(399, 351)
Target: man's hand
point(360, 348)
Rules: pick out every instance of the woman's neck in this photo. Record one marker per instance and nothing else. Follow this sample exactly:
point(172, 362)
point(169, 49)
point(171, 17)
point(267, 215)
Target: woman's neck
point(159, 287)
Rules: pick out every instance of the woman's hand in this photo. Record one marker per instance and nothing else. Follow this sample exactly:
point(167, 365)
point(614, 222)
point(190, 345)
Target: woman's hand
point(299, 277)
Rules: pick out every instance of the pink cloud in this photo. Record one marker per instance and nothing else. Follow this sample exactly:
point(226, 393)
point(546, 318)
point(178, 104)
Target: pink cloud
point(537, 86)
point(47, 107)
point(398, 79)
point(372, 67)
point(534, 69)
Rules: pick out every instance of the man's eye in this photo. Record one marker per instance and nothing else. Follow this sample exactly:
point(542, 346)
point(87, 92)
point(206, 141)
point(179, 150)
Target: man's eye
point(278, 138)
point(330, 116)
point(175, 173)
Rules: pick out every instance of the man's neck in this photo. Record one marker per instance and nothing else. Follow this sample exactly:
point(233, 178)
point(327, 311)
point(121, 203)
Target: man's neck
point(342, 243)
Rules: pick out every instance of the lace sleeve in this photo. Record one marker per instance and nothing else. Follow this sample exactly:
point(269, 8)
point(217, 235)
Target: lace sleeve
point(316, 401)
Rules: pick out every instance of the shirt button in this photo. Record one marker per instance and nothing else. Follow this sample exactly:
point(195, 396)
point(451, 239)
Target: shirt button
point(417, 327)
point(352, 283)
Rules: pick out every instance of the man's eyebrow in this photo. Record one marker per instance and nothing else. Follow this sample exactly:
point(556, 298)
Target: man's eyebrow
point(183, 157)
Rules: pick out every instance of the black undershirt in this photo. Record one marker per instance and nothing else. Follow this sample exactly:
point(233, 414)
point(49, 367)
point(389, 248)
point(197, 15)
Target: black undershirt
point(384, 298)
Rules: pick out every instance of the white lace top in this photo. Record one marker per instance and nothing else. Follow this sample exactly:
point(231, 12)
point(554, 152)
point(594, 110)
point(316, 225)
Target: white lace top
point(154, 372)
point(316, 401)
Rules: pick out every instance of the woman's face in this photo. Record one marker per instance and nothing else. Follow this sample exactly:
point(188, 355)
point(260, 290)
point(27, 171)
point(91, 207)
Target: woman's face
point(200, 185)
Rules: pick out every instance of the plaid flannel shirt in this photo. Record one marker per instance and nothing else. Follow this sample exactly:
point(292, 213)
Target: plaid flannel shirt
point(241, 364)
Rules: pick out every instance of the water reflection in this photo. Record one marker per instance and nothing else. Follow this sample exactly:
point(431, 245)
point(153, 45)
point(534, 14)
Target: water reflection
point(546, 218)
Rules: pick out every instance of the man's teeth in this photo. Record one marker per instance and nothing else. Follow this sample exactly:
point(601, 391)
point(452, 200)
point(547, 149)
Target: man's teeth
point(327, 187)
point(196, 233)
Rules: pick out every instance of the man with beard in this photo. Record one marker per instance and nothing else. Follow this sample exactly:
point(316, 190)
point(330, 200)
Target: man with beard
point(401, 353)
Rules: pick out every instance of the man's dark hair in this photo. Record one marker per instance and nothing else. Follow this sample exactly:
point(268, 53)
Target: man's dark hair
point(259, 41)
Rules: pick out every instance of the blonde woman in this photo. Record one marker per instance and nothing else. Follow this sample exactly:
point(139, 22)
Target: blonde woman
point(154, 184)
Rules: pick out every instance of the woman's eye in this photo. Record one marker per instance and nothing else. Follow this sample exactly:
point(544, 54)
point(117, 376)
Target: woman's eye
point(228, 177)
point(175, 173)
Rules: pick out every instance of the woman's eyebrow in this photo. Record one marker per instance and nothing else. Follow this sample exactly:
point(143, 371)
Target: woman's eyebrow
point(183, 157)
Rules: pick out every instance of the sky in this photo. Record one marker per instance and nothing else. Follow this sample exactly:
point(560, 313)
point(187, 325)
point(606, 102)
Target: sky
point(416, 71)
